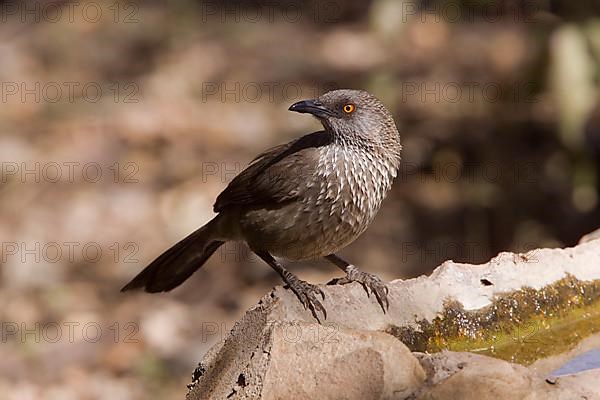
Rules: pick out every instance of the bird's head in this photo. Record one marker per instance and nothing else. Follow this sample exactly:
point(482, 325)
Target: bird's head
point(351, 115)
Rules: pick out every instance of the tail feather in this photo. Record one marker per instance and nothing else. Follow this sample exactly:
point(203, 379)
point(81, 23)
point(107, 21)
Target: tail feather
point(177, 264)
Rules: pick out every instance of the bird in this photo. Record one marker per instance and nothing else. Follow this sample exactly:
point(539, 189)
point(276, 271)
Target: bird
point(305, 199)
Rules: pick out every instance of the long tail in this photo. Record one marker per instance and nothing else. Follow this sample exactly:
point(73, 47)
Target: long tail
point(178, 263)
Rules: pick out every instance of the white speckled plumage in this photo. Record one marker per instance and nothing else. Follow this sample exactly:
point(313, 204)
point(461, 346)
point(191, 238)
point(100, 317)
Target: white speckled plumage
point(340, 187)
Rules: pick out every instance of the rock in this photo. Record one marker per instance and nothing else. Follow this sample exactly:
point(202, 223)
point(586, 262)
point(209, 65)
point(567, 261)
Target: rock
point(278, 351)
point(302, 360)
point(322, 362)
point(590, 236)
point(466, 376)
point(583, 385)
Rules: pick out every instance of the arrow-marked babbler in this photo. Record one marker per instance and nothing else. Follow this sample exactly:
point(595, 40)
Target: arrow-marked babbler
point(305, 199)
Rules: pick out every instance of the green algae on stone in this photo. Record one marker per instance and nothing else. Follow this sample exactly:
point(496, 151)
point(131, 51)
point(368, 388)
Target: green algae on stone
point(521, 327)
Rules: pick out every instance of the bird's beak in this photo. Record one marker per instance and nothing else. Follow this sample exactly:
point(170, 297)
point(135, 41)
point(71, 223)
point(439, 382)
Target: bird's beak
point(313, 107)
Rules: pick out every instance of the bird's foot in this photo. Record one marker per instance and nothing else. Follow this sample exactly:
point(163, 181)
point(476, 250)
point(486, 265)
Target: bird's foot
point(371, 283)
point(307, 294)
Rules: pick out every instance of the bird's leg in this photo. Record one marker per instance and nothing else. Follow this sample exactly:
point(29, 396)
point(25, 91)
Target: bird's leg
point(306, 293)
point(370, 282)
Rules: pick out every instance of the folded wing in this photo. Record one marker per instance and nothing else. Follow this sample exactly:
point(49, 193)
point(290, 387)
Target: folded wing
point(276, 176)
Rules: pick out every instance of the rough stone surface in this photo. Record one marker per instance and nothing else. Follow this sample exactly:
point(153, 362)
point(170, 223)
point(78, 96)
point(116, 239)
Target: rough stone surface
point(467, 376)
point(595, 235)
point(278, 351)
point(302, 360)
point(470, 376)
point(308, 361)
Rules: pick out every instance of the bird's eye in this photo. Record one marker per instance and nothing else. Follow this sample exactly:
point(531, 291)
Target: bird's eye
point(349, 108)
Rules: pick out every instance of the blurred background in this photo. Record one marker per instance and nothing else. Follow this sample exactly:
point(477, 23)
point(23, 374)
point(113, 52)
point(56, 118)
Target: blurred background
point(121, 122)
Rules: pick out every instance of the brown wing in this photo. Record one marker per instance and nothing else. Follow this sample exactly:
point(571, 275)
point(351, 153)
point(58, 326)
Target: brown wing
point(275, 175)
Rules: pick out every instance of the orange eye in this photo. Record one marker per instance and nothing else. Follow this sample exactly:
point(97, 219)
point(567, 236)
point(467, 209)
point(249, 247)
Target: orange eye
point(349, 108)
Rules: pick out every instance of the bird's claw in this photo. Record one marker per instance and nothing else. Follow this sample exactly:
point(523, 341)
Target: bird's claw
point(307, 294)
point(371, 283)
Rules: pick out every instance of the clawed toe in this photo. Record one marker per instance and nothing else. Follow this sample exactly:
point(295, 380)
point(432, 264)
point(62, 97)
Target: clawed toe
point(371, 283)
point(307, 294)
point(381, 291)
point(376, 286)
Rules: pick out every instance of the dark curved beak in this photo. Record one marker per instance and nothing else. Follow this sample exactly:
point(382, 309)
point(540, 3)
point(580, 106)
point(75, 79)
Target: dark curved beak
point(313, 107)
